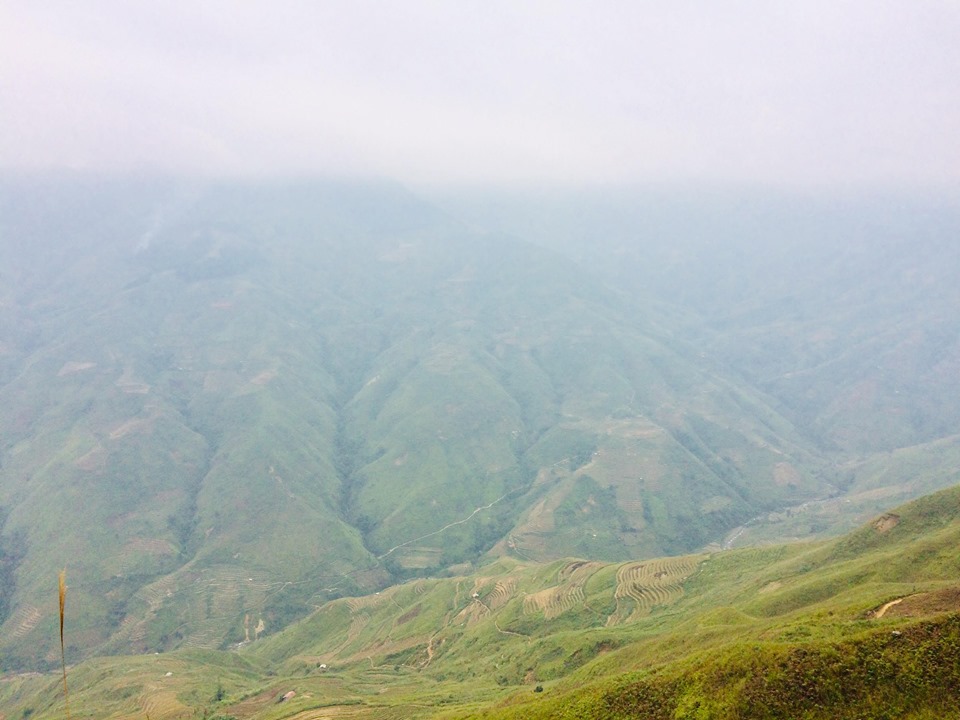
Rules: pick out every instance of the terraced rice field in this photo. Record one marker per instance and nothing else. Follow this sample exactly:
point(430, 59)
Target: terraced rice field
point(472, 613)
point(222, 593)
point(24, 620)
point(357, 604)
point(540, 519)
point(643, 586)
point(335, 711)
point(357, 623)
point(578, 571)
point(204, 599)
point(223, 588)
point(554, 601)
point(156, 702)
point(155, 593)
point(133, 629)
point(479, 584)
point(502, 593)
point(419, 557)
point(362, 610)
point(209, 637)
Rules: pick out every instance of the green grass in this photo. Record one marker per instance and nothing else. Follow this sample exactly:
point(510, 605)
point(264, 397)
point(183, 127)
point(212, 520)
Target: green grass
point(238, 419)
point(782, 631)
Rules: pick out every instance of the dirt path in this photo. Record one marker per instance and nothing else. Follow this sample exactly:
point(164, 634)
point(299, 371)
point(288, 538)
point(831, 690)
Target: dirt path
point(508, 632)
point(456, 603)
point(430, 650)
point(883, 610)
point(445, 527)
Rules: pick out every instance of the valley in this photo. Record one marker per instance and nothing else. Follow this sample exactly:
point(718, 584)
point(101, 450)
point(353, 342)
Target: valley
point(452, 449)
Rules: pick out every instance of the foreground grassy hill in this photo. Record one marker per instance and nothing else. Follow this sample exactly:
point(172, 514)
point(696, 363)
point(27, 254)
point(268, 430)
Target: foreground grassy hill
point(863, 626)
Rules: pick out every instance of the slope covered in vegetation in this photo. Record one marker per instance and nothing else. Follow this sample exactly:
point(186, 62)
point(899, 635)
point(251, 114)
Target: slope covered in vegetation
point(866, 625)
point(224, 405)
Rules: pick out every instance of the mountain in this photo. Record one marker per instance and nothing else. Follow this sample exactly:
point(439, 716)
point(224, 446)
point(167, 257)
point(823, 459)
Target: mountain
point(838, 308)
point(864, 625)
point(226, 404)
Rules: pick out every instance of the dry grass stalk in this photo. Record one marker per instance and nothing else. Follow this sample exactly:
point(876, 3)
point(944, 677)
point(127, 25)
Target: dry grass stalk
point(63, 654)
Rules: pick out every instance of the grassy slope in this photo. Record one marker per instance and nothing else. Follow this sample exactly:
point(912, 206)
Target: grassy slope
point(225, 407)
point(787, 631)
point(229, 407)
point(798, 637)
point(871, 485)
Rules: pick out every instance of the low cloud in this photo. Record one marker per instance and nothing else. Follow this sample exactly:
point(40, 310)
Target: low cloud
point(434, 92)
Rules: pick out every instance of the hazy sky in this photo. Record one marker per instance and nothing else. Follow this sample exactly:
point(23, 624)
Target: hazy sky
point(805, 92)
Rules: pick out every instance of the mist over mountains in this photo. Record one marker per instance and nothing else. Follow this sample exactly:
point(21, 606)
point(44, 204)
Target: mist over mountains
point(224, 404)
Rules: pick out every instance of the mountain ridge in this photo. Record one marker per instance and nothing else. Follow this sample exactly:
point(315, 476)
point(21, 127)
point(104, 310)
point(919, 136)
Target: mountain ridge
point(225, 405)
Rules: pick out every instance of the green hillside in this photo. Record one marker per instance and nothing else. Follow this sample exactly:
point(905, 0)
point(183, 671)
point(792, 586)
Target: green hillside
point(840, 307)
point(224, 405)
point(864, 626)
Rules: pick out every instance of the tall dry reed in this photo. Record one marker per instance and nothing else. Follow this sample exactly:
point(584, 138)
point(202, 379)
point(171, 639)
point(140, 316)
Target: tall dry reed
point(63, 653)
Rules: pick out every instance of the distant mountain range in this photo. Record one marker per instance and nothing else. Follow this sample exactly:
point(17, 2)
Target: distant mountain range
point(223, 405)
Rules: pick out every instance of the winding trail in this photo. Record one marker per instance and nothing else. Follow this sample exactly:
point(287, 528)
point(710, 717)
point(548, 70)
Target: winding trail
point(883, 610)
point(445, 527)
point(732, 538)
point(509, 632)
